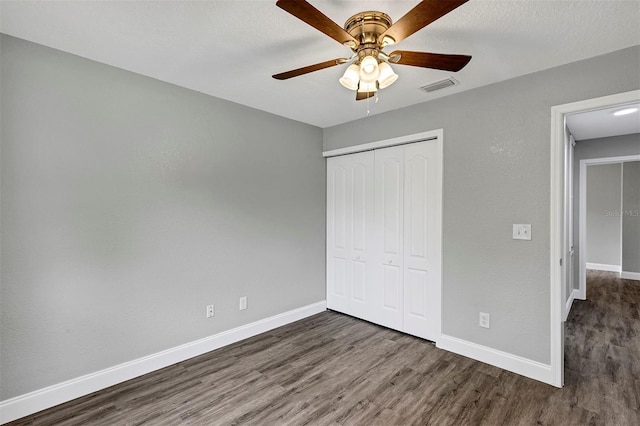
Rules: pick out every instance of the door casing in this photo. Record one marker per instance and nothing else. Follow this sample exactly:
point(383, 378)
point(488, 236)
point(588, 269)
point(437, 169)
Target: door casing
point(558, 204)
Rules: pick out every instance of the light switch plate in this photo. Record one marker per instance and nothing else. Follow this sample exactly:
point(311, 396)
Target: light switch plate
point(521, 231)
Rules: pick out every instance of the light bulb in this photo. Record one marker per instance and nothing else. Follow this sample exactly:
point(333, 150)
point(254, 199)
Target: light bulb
point(369, 71)
point(387, 76)
point(626, 111)
point(351, 77)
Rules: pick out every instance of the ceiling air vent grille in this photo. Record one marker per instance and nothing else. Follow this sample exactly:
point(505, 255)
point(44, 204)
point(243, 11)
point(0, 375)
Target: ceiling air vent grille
point(439, 85)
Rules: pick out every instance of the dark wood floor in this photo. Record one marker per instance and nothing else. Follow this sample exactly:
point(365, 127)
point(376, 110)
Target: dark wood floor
point(331, 369)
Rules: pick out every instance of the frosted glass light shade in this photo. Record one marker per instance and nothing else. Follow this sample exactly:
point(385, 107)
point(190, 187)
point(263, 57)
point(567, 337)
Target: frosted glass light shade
point(387, 76)
point(367, 87)
point(369, 70)
point(351, 77)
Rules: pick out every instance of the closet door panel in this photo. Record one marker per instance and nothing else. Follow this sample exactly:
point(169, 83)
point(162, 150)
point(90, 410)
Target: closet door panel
point(361, 170)
point(362, 175)
point(392, 288)
point(338, 229)
point(416, 293)
point(340, 279)
point(422, 239)
point(360, 291)
point(349, 232)
point(417, 205)
point(389, 177)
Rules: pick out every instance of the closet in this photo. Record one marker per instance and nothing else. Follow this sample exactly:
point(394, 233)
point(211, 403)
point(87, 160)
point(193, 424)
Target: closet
point(384, 236)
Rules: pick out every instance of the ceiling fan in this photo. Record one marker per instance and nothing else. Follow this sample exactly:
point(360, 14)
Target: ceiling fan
point(367, 34)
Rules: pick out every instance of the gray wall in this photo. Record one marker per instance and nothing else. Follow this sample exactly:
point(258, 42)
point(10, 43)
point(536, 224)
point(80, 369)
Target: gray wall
point(631, 217)
point(596, 148)
point(129, 204)
point(604, 200)
point(497, 173)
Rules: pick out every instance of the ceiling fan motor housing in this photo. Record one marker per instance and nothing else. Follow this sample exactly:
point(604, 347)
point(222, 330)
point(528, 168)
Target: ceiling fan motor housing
point(366, 28)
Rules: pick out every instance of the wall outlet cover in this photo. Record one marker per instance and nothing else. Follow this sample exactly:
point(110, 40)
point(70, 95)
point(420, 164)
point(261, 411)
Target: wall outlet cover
point(484, 320)
point(521, 231)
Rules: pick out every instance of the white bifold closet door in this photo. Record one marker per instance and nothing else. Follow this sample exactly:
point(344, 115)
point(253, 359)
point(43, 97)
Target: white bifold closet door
point(387, 275)
point(349, 233)
point(384, 237)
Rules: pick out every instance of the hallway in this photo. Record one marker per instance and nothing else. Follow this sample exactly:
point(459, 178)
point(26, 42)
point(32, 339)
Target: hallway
point(602, 349)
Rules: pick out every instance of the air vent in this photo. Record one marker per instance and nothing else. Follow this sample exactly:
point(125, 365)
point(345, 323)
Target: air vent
point(438, 85)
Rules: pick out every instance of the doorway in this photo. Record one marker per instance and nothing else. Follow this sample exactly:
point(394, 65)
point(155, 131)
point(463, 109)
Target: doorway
point(559, 205)
point(612, 211)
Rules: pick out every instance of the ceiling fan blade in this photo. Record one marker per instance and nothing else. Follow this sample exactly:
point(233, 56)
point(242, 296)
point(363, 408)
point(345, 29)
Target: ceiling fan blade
point(364, 95)
point(436, 61)
point(308, 69)
point(419, 17)
point(312, 16)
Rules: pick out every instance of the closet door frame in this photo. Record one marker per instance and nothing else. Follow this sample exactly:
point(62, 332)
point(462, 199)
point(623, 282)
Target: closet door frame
point(433, 135)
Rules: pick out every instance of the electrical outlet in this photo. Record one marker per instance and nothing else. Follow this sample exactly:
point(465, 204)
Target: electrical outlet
point(484, 320)
point(243, 303)
point(211, 311)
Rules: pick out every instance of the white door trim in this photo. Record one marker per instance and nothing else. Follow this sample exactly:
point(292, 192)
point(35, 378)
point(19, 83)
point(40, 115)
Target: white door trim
point(582, 218)
point(416, 137)
point(570, 295)
point(557, 206)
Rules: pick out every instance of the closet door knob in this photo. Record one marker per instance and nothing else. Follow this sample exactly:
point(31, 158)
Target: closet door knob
point(358, 257)
point(390, 260)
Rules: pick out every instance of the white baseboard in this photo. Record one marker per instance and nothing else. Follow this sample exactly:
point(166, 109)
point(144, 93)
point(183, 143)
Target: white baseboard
point(604, 267)
point(41, 399)
point(567, 307)
point(523, 366)
point(630, 275)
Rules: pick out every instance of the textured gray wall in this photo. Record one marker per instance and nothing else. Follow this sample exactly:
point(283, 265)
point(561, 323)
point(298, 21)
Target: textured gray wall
point(631, 217)
point(604, 201)
point(129, 204)
point(496, 173)
point(614, 146)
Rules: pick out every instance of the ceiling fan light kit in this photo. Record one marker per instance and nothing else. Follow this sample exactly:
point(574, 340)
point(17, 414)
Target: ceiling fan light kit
point(369, 70)
point(366, 34)
point(387, 76)
point(364, 87)
point(351, 77)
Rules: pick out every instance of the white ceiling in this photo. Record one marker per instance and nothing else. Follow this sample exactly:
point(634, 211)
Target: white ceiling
point(602, 123)
point(230, 49)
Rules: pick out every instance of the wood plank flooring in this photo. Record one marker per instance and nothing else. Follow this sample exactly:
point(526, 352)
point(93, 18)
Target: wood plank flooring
point(331, 369)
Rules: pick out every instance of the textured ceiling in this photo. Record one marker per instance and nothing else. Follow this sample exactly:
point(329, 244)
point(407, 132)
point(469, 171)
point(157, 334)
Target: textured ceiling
point(230, 49)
